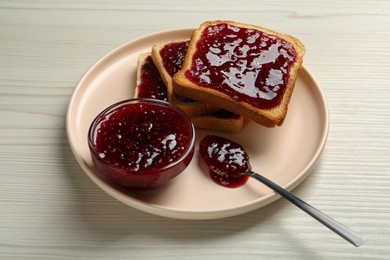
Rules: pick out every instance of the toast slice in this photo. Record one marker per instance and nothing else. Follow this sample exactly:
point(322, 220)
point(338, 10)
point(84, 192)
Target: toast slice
point(221, 120)
point(243, 68)
point(149, 84)
point(168, 58)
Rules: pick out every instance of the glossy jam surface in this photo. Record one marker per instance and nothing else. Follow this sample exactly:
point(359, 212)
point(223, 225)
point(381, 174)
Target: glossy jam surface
point(173, 55)
point(141, 144)
point(151, 84)
point(246, 64)
point(227, 158)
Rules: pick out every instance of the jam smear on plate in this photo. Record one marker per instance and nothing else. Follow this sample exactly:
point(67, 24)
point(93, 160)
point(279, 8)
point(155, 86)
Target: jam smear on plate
point(246, 64)
point(151, 86)
point(227, 159)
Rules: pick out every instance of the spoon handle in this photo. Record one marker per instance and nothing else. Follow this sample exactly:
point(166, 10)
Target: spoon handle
point(332, 224)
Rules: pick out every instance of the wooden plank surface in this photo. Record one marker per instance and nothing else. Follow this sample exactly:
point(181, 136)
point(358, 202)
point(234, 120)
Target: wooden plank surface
point(49, 209)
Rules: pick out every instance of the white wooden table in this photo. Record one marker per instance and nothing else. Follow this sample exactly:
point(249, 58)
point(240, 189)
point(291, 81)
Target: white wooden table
point(49, 209)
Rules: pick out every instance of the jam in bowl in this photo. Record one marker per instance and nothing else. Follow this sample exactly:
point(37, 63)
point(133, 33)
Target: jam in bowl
point(141, 143)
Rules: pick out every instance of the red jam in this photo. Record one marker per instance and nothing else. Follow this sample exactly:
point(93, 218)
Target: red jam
point(227, 158)
point(142, 139)
point(246, 64)
point(173, 55)
point(151, 86)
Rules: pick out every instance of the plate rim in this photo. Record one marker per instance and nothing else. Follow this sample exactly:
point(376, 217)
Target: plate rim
point(193, 214)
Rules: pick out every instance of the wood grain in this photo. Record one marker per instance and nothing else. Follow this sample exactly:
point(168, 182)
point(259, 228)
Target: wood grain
point(51, 210)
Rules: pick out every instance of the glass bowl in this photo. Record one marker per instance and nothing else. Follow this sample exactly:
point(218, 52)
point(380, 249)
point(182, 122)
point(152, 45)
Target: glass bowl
point(141, 143)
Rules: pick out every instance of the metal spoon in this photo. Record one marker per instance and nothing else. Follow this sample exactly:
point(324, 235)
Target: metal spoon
point(332, 224)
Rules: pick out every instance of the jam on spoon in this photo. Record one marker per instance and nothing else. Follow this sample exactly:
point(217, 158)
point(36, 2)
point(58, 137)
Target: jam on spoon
point(227, 160)
point(229, 166)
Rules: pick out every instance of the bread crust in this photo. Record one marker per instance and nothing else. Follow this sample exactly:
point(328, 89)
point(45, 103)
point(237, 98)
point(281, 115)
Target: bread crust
point(190, 108)
point(140, 62)
point(204, 121)
point(267, 117)
point(227, 125)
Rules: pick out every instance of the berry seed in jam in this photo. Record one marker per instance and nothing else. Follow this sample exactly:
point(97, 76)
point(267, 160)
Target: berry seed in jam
point(141, 142)
point(151, 84)
point(246, 64)
point(226, 160)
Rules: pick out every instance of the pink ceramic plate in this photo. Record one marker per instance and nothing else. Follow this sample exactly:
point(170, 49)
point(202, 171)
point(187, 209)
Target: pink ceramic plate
point(284, 154)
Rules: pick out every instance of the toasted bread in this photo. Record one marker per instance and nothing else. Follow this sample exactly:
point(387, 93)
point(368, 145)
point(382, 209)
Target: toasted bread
point(222, 120)
point(243, 68)
point(148, 82)
point(150, 86)
point(168, 58)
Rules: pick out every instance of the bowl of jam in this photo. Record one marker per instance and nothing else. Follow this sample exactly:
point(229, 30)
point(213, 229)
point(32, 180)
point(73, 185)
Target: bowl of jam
point(141, 143)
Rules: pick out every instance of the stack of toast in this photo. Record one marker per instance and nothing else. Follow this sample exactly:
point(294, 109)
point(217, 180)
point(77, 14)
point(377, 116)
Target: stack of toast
point(162, 63)
point(226, 72)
